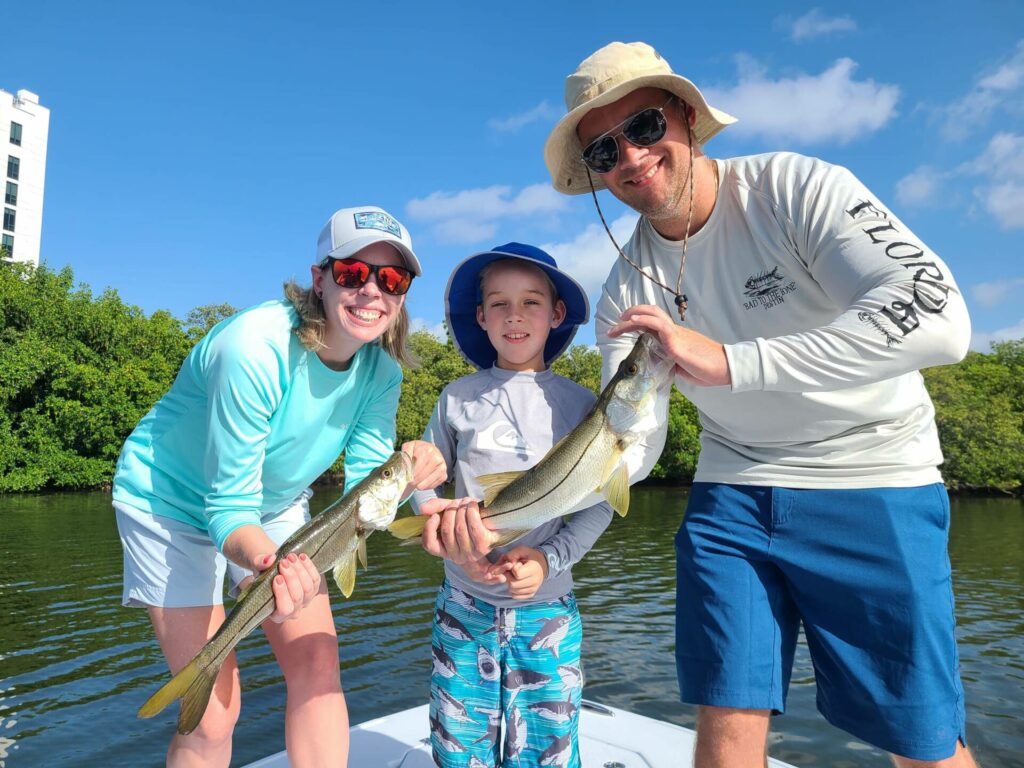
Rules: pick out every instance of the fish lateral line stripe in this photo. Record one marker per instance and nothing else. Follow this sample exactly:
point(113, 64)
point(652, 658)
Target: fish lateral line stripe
point(553, 489)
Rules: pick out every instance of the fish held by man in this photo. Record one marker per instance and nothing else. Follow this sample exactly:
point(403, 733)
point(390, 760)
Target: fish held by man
point(334, 539)
point(589, 459)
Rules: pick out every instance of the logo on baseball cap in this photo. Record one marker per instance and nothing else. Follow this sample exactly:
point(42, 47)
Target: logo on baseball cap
point(352, 229)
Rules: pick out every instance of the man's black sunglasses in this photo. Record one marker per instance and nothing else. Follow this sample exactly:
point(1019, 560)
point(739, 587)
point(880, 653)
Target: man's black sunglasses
point(645, 128)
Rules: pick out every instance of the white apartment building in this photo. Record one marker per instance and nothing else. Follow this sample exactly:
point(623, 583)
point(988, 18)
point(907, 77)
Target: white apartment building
point(24, 130)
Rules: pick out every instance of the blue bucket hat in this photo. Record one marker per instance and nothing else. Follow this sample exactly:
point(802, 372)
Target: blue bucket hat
point(462, 296)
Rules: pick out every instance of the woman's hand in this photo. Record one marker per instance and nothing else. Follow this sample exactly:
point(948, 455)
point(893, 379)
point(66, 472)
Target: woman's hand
point(297, 581)
point(698, 359)
point(295, 585)
point(455, 530)
point(429, 467)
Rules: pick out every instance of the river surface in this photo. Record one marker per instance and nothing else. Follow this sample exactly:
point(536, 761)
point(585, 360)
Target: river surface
point(75, 666)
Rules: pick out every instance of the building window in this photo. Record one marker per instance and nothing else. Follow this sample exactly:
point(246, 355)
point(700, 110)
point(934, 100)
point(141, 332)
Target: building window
point(13, 166)
point(7, 246)
point(11, 196)
point(16, 134)
point(9, 219)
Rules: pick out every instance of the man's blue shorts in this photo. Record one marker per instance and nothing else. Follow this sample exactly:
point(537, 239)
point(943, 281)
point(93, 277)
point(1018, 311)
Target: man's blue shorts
point(866, 571)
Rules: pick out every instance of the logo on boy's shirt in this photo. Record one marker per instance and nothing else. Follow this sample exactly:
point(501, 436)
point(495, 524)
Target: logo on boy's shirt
point(767, 289)
point(502, 436)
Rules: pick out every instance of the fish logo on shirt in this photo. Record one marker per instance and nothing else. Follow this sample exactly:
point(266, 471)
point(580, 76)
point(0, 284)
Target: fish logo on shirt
point(767, 289)
point(763, 282)
point(502, 436)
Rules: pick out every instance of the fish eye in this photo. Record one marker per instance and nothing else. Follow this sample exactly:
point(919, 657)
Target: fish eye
point(633, 369)
point(387, 474)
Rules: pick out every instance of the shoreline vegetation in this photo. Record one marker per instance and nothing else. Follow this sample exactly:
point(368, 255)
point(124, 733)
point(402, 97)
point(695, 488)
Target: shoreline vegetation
point(77, 372)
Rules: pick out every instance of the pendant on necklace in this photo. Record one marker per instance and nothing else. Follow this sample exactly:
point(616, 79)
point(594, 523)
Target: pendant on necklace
point(681, 302)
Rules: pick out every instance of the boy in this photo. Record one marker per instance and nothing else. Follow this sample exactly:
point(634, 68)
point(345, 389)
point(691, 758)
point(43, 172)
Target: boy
point(507, 633)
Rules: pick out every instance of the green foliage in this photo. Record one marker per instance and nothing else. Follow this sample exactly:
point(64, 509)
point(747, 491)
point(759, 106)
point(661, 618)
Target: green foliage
point(77, 372)
point(582, 365)
point(678, 461)
point(439, 364)
point(200, 320)
point(980, 419)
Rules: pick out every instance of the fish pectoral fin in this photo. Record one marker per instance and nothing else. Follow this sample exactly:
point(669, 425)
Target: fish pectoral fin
point(495, 483)
point(361, 551)
point(345, 575)
point(408, 527)
point(616, 489)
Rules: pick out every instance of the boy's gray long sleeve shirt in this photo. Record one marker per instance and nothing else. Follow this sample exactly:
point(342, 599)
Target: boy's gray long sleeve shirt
point(497, 420)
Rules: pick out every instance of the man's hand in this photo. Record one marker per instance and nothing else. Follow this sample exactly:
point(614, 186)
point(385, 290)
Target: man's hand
point(698, 359)
point(527, 569)
point(455, 530)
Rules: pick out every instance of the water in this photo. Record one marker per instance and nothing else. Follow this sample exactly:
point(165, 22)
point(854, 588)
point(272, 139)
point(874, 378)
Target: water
point(75, 666)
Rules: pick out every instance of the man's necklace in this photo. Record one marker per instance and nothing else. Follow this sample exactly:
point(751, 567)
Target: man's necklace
point(681, 300)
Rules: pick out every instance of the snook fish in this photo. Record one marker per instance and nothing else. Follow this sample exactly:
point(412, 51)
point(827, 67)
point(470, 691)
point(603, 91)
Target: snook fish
point(333, 539)
point(588, 459)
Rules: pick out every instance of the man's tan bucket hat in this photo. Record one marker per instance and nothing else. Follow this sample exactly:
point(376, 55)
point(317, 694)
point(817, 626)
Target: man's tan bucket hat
point(607, 76)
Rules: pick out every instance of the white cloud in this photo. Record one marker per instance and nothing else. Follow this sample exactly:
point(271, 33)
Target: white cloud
point(1002, 89)
point(814, 23)
point(921, 187)
point(999, 171)
point(981, 341)
point(464, 230)
point(990, 294)
point(1001, 191)
point(589, 256)
point(1003, 158)
point(472, 215)
point(1005, 202)
point(542, 112)
point(808, 109)
point(434, 329)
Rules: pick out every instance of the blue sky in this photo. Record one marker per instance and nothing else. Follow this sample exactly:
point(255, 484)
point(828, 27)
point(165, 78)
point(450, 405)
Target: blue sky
point(197, 148)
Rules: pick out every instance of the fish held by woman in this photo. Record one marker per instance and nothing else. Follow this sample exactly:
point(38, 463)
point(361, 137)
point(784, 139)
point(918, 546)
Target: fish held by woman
point(334, 539)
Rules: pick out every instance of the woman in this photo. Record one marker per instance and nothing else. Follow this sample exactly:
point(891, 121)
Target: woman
point(220, 468)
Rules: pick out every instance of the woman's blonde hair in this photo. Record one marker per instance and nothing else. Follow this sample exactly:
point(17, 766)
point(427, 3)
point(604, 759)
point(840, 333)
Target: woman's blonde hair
point(312, 325)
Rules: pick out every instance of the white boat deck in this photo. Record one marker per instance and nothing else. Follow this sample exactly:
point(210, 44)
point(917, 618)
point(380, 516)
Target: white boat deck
point(609, 738)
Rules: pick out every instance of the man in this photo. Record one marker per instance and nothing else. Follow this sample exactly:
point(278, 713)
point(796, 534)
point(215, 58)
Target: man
point(799, 311)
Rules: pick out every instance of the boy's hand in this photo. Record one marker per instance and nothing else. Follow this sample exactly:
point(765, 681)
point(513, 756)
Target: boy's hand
point(527, 569)
point(455, 530)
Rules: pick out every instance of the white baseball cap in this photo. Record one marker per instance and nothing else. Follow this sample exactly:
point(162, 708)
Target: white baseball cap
point(352, 229)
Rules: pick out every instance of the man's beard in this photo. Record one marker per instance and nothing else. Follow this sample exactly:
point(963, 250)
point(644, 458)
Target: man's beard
point(671, 207)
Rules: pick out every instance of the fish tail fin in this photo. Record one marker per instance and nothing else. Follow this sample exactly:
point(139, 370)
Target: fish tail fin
point(345, 574)
point(193, 685)
point(408, 527)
